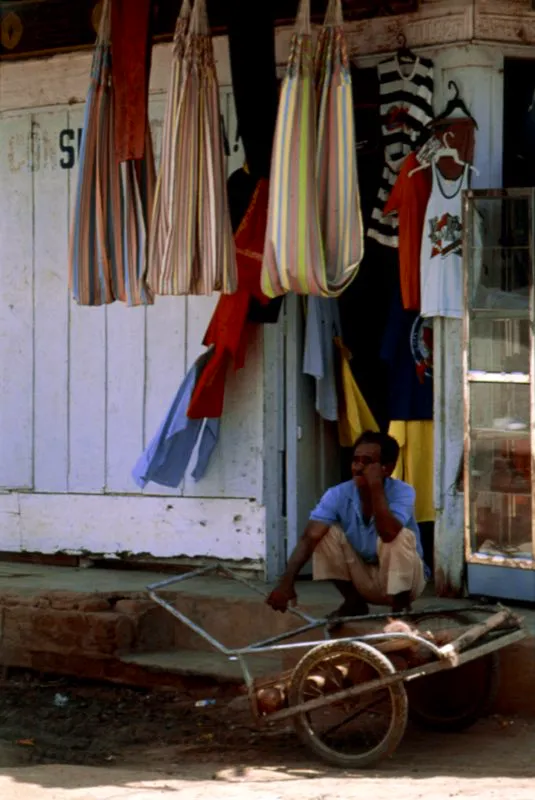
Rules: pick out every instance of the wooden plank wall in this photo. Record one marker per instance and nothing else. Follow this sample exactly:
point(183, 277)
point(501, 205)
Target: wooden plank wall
point(84, 389)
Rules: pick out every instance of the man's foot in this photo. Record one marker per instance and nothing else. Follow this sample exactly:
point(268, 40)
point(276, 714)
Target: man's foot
point(401, 602)
point(354, 604)
point(351, 608)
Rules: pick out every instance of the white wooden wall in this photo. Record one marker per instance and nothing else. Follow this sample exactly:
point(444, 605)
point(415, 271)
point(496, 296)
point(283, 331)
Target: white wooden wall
point(82, 390)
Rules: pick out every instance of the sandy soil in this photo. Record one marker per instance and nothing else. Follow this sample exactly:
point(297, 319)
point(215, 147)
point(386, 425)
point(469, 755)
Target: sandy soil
point(116, 743)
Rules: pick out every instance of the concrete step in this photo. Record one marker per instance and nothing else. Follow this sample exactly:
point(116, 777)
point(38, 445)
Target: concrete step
point(101, 624)
point(213, 665)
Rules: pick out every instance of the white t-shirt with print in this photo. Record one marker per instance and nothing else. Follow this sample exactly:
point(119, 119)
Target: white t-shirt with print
point(441, 260)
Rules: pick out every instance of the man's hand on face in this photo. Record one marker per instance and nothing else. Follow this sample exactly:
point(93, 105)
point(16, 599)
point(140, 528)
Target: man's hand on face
point(281, 597)
point(374, 474)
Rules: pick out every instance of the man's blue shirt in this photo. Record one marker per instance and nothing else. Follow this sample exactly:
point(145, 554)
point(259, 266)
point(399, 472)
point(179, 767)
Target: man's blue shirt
point(341, 505)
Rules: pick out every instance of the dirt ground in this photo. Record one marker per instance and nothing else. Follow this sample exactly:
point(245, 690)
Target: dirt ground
point(111, 742)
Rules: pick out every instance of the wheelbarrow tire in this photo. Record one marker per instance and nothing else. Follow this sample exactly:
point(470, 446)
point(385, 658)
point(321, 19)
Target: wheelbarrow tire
point(378, 667)
point(433, 703)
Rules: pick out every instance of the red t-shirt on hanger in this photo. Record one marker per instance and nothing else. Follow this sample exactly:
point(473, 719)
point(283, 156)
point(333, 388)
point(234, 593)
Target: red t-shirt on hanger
point(409, 197)
point(229, 329)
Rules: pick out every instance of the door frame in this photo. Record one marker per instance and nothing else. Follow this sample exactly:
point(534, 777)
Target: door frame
point(274, 447)
point(301, 451)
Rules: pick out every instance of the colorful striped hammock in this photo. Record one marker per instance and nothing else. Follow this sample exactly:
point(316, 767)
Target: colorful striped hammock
point(109, 236)
point(192, 248)
point(161, 211)
point(314, 239)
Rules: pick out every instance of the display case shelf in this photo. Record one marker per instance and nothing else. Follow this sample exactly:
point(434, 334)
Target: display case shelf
point(500, 492)
point(493, 433)
point(501, 313)
point(499, 248)
point(482, 376)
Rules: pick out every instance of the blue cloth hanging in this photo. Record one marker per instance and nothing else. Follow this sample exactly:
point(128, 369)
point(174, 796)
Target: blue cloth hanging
point(166, 458)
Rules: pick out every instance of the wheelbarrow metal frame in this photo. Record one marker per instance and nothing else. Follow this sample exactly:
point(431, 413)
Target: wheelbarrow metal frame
point(279, 643)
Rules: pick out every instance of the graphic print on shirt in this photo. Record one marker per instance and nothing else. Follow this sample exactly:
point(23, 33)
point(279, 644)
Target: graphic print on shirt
point(407, 353)
point(406, 108)
point(446, 234)
point(421, 342)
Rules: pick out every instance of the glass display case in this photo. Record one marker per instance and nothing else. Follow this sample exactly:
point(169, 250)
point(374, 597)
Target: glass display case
point(499, 393)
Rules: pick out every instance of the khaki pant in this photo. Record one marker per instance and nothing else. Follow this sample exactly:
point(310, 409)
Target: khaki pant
point(400, 568)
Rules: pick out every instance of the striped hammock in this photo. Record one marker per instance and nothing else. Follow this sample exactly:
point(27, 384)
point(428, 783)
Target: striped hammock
point(109, 237)
point(192, 249)
point(314, 239)
point(161, 211)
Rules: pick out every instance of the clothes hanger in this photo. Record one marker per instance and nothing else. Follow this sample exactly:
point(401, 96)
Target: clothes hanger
point(456, 103)
point(443, 152)
point(404, 53)
point(446, 151)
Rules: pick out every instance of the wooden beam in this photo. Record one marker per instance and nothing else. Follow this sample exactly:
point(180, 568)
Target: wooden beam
point(42, 27)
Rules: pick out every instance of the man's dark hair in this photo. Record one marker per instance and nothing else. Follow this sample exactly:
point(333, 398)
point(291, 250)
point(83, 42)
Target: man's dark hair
point(389, 446)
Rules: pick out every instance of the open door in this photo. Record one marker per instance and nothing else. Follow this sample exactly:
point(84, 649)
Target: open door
point(312, 451)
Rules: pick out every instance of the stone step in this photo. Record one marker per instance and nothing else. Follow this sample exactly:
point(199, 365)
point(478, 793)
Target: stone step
point(213, 665)
point(102, 625)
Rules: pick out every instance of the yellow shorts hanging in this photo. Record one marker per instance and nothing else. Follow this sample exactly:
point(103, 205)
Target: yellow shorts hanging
point(416, 462)
point(354, 415)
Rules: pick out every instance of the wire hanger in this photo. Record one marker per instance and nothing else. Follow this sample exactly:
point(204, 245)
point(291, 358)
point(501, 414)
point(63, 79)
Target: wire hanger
point(456, 102)
point(404, 53)
point(446, 151)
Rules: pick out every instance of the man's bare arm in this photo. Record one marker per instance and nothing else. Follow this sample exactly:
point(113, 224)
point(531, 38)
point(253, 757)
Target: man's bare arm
point(312, 535)
point(386, 524)
point(284, 592)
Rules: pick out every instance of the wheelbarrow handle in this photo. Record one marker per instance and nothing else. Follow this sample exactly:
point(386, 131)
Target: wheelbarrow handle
point(292, 609)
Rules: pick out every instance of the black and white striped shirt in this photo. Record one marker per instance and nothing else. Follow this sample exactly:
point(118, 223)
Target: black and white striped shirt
point(406, 108)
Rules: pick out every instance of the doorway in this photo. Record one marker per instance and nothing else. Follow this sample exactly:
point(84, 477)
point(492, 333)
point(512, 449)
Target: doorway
point(314, 460)
point(519, 123)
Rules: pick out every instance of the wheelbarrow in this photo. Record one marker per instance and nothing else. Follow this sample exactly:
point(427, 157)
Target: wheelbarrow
point(350, 697)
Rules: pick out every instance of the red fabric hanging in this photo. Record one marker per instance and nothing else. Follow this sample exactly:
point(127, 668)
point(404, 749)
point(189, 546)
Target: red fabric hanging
point(409, 197)
point(131, 49)
point(229, 329)
point(462, 137)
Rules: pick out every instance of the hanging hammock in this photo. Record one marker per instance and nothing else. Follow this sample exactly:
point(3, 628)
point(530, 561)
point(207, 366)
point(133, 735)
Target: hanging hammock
point(192, 250)
point(336, 162)
point(314, 235)
point(161, 213)
point(108, 243)
point(294, 259)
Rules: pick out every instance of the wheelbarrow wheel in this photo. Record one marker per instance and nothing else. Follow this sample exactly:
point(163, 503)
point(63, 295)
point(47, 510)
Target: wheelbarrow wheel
point(357, 732)
point(454, 699)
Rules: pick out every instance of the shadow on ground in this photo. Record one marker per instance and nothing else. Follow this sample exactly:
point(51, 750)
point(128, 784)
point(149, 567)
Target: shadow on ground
point(116, 737)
